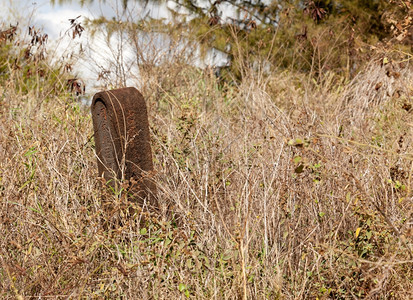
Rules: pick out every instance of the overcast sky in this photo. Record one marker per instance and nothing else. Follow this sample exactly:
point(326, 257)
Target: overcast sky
point(55, 22)
point(54, 18)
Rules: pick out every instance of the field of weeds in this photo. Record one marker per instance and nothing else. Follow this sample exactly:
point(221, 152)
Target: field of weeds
point(273, 187)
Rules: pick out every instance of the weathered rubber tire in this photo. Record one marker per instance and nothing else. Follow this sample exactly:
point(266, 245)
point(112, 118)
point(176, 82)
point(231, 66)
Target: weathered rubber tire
point(120, 122)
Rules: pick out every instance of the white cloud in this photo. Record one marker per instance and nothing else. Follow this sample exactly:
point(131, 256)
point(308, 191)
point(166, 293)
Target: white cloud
point(99, 54)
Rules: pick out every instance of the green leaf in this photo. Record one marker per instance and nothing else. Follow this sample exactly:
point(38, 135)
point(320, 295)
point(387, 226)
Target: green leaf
point(143, 231)
point(226, 256)
point(296, 142)
point(297, 159)
point(206, 261)
point(316, 166)
point(189, 264)
point(181, 287)
point(30, 152)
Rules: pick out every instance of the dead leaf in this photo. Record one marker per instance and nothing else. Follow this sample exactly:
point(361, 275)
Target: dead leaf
point(378, 86)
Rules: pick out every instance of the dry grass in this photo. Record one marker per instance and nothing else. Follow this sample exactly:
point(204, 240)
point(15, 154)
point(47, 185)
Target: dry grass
point(275, 188)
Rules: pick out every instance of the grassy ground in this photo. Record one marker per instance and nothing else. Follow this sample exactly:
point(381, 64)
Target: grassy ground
point(278, 187)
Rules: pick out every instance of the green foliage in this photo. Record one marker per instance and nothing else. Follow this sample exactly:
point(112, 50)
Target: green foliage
point(25, 61)
point(313, 37)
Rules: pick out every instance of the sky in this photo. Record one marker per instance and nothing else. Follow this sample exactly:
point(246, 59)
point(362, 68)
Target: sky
point(54, 20)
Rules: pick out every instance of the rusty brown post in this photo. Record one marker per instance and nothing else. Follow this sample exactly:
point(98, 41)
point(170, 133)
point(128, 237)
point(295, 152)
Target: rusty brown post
point(120, 122)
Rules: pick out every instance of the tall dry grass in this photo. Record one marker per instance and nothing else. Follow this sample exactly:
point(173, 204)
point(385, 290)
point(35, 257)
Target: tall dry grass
point(276, 187)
